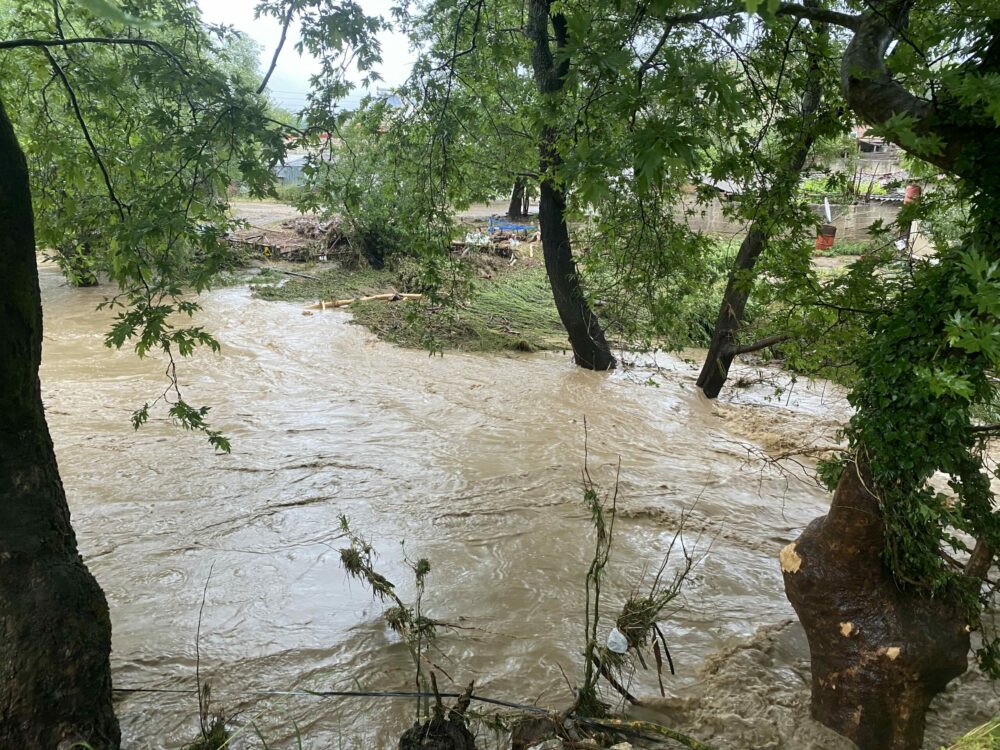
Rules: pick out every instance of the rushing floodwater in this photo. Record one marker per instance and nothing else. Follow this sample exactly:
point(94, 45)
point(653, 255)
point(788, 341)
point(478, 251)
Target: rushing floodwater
point(474, 461)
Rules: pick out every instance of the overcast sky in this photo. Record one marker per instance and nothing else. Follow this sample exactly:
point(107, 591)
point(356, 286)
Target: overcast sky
point(290, 81)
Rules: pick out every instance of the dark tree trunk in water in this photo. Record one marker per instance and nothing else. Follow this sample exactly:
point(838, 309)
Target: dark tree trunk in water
point(516, 198)
point(723, 349)
point(55, 633)
point(586, 336)
point(879, 654)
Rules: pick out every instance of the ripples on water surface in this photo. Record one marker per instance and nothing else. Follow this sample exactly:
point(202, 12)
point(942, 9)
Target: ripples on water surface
point(473, 460)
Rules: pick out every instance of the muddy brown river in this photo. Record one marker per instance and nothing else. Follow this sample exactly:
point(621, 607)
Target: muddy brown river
point(475, 463)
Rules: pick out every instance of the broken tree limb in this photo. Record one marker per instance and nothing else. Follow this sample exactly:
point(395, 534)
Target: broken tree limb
point(613, 682)
point(756, 346)
point(388, 297)
point(293, 273)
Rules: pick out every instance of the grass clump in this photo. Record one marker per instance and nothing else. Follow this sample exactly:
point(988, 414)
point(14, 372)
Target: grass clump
point(985, 737)
point(843, 248)
point(214, 737)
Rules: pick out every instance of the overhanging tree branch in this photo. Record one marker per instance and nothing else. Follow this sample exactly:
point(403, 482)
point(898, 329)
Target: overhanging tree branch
point(822, 15)
point(873, 93)
point(46, 43)
point(756, 346)
point(122, 210)
point(285, 23)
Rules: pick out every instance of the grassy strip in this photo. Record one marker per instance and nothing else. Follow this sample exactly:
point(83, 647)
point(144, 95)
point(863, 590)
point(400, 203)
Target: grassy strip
point(334, 283)
point(511, 310)
point(246, 275)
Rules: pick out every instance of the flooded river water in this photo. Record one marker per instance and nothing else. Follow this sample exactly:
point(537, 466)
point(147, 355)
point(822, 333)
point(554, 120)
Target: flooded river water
point(474, 461)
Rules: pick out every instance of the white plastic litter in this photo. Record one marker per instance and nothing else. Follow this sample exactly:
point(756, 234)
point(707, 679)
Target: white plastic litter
point(617, 642)
point(477, 239)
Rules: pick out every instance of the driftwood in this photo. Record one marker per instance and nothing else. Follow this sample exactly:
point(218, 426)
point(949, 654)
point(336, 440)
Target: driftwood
point(389, 297)
point(293, 273)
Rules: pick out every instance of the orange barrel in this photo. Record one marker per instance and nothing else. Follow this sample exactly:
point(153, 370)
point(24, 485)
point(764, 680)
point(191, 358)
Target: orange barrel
point(825, 237)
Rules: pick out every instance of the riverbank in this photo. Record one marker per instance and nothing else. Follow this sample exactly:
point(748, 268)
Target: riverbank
point(504, 308)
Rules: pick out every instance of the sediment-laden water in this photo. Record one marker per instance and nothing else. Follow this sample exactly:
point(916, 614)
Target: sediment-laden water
point(475, 462)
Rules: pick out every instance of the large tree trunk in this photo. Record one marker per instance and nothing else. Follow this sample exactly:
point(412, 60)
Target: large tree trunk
point(516, 198)
point(55, 632)
point(879, 653)
point(590, 348)
point(723, 349)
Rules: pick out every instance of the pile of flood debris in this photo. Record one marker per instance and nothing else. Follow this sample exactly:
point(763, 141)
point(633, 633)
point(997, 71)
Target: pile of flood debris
point(500, 238)
point(306, 238)
point(300, 239)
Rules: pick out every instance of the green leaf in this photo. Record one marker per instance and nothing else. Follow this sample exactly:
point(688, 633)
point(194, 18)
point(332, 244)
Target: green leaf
point(110, 11)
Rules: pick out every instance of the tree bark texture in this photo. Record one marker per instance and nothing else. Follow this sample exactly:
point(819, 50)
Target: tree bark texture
point(516, 198)
point(55, 631)
point(590, 348)
point(879, 654)
point(723, 348)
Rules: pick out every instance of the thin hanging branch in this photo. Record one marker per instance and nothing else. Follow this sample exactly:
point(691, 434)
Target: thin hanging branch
point(285, 23)
point(122, 208)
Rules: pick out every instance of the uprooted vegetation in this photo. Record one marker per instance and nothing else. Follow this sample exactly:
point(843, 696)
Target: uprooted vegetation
point(609, 667)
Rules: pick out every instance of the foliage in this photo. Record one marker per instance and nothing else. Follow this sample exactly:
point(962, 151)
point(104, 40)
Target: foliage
point(985, 737)
point(407, 620)
point(926, 369)
point(131, 149)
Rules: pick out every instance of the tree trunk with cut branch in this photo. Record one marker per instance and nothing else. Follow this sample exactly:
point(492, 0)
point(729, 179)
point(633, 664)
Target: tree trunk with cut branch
point(879, 653)
point(55, 631)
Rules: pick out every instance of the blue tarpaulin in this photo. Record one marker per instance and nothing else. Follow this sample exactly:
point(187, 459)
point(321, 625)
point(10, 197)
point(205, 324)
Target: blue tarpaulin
point(506, 226)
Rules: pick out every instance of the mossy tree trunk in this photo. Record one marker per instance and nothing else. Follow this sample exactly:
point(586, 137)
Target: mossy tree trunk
point(55, 631)
point(879, 653)
point(880, 650)
point(586, 336)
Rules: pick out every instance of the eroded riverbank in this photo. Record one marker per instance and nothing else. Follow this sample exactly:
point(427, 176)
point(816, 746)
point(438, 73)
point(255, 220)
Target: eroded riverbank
point(473, 460)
